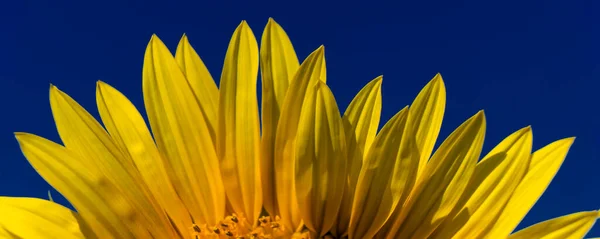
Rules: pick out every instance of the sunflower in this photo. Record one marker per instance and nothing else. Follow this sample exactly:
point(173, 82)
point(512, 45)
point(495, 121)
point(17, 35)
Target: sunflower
point(213, 169)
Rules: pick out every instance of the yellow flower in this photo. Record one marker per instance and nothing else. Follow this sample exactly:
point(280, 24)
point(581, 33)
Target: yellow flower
point(210, 169)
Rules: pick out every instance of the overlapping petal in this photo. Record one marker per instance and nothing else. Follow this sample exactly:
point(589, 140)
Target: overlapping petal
point(572, 226)
point(542, 168)
point(320, 161)
point(129, 131)
point(375, 198)
point(238, 127)
point(361, 120)
point(445, 178)
point(496, 177)
point(181, 134)
point(201, 82)
point(86, 138)
point(278, 64)
point(311, 71)
point(38, 218)
point(100, 202)
point(420, 133)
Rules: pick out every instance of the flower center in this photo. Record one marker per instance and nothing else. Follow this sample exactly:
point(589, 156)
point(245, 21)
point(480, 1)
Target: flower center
point(238, 227)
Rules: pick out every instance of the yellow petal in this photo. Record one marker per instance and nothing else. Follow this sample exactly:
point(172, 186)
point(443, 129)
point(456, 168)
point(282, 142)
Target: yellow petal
point(83, 135)
point(311, 71)
point(363, 114)
point(182, 135)
point(200, 81)
point(425, 119)
point(374, 198)
point(238, 131)
point(544, 165)
point(98, 200)
point(361, 121)
point(496, 177)
point(128, 129)
point(421, 131)
point(320, 162)
point(445, 178)
point(37, 218)
point(572, 226)
point(278, 64)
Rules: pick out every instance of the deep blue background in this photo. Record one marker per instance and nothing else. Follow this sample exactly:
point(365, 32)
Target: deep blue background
point(534, 63)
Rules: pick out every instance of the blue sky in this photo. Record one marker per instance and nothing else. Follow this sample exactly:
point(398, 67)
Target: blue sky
point(525, 63)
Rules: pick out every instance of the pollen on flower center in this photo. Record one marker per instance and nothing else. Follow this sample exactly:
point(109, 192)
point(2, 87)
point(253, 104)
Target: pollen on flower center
point(237, 226)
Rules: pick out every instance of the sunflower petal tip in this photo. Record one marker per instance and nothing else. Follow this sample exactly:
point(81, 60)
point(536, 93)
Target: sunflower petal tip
point(320, 52)
point(20, 135)
point(567, 141)
point(480, 113)
point(438, 81)
point(154, 39)
point(184, 42)
point(184, 38)
point(441, 81)
point(100, 84)
point(243, 29)
point(53, 89)
point(479, 117)
point(527, 130)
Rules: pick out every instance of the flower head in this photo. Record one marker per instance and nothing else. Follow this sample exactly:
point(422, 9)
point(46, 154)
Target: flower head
point(211, 165)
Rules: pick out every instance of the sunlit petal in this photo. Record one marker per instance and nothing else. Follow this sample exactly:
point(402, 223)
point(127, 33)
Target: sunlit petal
point(496, 177)
point(422, 127)
point(311, 71)
point(320, 162)
point(278, 64)
point(445, 178)
point(425, 119)
point(238, 127)
point(200, 81)
point(572, 226)
point(374, 198)
point(361, 120)
point(544, 165)
point(37, 218)
point(181, 134)
point(128, 129)
point(83, 135)
point(99, 201)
